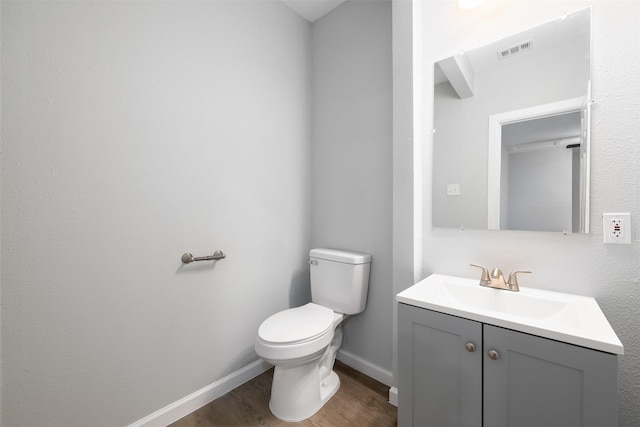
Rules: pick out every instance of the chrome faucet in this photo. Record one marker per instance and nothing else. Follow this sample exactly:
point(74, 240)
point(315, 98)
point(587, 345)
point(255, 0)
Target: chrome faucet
point(495, 279)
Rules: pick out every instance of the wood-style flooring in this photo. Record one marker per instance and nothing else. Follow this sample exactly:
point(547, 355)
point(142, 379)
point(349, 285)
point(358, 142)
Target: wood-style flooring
point(360, 402)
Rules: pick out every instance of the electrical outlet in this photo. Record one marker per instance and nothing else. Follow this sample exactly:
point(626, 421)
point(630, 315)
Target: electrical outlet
point(617, 228)
point(453, 189)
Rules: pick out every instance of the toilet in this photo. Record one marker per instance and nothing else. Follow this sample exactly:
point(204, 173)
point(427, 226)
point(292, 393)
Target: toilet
point(302, 342)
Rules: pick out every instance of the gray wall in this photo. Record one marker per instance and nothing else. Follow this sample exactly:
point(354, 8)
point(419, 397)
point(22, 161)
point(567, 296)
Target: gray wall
point(351, 163)
point(576, 263)
point(538, 195)
point(133, 132)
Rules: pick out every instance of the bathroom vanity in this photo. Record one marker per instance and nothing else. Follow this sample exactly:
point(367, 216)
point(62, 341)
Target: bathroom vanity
point(475, 356)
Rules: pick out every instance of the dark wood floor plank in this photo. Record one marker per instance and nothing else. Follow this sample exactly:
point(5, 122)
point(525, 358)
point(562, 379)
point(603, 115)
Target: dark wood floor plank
point(360, 402)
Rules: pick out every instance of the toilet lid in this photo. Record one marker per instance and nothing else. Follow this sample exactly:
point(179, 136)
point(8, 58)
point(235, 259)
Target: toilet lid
point(297, 324)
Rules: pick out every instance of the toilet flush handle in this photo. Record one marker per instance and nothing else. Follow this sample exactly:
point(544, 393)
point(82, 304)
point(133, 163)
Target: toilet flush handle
point(313, 262)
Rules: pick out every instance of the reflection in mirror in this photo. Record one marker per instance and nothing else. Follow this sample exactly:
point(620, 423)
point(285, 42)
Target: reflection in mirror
point(528, 145)
point(511, 148)
point(531, 200)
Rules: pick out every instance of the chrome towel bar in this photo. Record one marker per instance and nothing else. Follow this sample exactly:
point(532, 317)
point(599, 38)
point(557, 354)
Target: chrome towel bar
point(187, 257)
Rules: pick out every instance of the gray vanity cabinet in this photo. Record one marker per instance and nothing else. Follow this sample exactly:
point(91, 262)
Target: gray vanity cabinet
point(506, 378)
point(541, 382)
point(440, 380)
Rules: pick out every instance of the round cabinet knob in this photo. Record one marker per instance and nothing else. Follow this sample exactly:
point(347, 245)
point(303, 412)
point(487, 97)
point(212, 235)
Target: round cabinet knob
point(470, 347)
point(494, 355)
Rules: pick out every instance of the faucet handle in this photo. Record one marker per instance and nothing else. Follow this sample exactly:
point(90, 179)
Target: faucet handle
point(485, 280)
point(513, 280)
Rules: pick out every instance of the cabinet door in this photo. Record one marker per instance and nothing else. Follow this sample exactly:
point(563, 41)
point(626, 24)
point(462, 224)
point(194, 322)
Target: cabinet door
point(439, 380)
point(540, 382)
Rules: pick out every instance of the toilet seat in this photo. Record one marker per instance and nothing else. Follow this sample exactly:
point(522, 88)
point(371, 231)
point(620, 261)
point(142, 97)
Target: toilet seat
point(297, 325)
point(295, 332)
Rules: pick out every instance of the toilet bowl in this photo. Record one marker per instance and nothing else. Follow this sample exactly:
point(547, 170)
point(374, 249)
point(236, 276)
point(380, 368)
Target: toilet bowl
point(302, 342)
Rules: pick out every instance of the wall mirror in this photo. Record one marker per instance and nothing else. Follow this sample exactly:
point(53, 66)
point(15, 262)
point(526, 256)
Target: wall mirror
point(511, 122)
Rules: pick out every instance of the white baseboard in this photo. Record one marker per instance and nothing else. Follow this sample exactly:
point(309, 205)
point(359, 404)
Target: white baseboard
point(176, 410)
point(366, 367)
point(198, 399)
point(393, 396)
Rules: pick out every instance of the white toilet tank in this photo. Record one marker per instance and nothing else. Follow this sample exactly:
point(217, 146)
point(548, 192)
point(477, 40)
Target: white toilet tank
point(340, 279)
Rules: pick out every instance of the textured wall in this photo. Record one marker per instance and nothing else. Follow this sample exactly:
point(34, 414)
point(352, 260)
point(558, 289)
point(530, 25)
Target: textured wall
point(579, 264)
point(133, 132)
point(351, 160)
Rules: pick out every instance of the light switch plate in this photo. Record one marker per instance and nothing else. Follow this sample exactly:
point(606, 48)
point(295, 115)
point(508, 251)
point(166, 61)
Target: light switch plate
point(617, 228)
point(453, 189)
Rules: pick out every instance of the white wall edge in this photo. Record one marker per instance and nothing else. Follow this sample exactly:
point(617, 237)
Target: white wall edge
point(180, 408)
point(393, 396)
point(359, 364)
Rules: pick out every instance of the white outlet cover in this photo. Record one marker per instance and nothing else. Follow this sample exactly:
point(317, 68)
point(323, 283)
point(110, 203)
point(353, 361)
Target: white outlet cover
point(617, 228)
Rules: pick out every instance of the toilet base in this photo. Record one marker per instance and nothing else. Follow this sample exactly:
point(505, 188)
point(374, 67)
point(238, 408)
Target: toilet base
point(299, 392)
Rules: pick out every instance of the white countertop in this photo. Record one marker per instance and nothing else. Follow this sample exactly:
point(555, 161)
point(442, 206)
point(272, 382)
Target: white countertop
point(563, 317)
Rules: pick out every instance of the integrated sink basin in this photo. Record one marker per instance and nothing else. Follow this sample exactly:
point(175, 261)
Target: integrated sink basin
point(518, 304)
point(564, 317)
